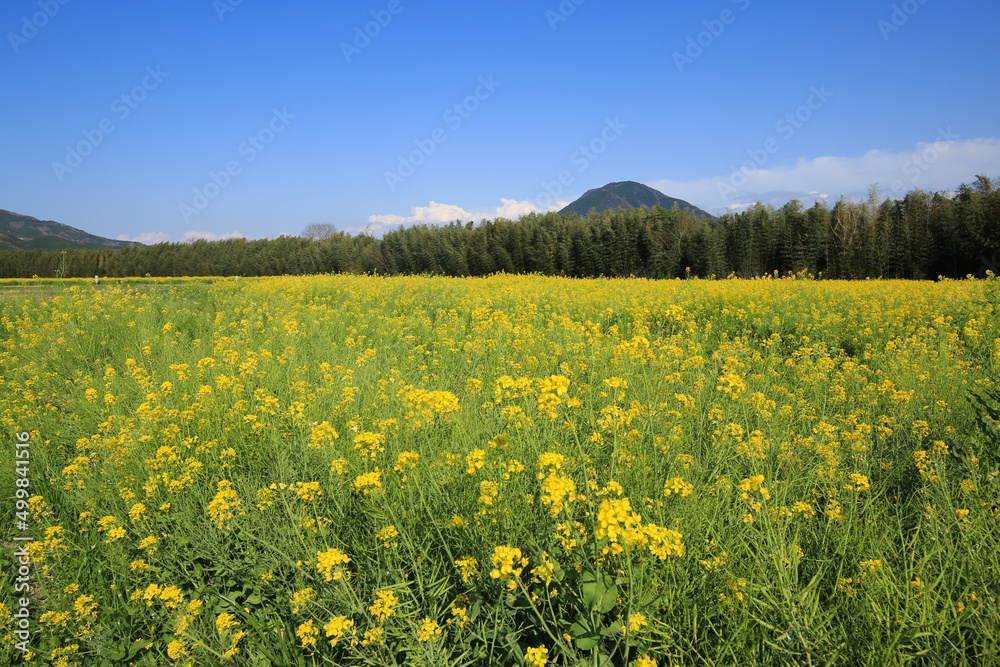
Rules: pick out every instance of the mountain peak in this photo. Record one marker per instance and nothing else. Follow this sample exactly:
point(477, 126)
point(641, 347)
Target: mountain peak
point(625, 195)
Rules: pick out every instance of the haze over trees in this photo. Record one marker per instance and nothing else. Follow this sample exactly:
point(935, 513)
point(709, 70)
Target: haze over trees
point(921, 236)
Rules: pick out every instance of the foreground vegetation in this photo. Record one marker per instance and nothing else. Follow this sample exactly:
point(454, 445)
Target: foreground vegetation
point(513, 470)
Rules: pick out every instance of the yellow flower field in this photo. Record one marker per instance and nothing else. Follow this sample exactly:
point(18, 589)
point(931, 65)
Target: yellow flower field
point(352, 470)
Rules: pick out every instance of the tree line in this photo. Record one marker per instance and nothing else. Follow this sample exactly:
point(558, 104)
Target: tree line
point(921, 236)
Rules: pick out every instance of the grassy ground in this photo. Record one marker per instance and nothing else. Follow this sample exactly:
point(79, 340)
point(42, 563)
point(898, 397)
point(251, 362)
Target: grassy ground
point(45, 288)
point(513, 470)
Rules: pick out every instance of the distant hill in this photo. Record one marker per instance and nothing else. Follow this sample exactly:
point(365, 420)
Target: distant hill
point(22, 232)
point(628, 194)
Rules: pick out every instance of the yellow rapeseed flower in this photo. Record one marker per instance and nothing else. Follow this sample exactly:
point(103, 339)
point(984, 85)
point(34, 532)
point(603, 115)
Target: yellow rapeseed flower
point(384, 606)
point(536, 656)
point(429, 631)
point(328, 561)
point(368, 482)
point(339, 626)
point(300, 599)
point(307, 632)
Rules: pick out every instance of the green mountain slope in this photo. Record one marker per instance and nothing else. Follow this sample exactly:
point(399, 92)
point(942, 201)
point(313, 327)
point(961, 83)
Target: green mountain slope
point(22, 232)
point(627, 194)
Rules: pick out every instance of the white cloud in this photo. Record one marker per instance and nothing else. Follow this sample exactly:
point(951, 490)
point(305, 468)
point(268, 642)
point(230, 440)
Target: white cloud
point(209, 236)
point(152, 238)
point(149, 238)
point(933, 166)
point(438, 213)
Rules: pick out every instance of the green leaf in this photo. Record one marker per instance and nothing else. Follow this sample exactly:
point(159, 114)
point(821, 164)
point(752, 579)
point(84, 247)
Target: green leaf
point(613, 629)
point(585, 637)
point(599, 591)
point(517, 601)
point(138, 645)
point(515, 648)
point(579, 628)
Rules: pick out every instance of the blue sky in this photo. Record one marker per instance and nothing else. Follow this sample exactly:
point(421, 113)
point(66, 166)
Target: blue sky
point(171, 120)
